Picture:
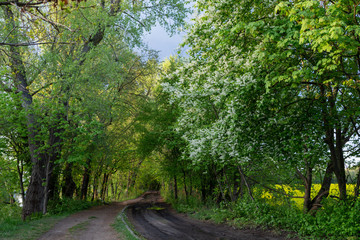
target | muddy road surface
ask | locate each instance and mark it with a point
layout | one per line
(91, 224)
(151, 217)
(156, 220)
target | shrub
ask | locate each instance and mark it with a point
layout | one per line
(336, 220)
(67, 205)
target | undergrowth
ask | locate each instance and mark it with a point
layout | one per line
(68, 205)
(336, 220)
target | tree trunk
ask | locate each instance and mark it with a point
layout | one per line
(184, 179)
(334, 140)
(236, 188)
(86, 180)
(56, 130)
(242, 187)
(356, 190)
(35, 192)
(191, 185)
(128, 183)
(307, 180)
(54, 188)
(203, 191)
(69, 186)
(20, 170)
(340, 164)
(324, 190)
(222, 194)
(113, 190)
(104, 186)
(245, 182)
(175, 188)
(337, 158)
(308, 185)
(94, 196)
(47, 181)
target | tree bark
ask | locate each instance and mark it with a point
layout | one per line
(175, 188)
(104, 186)
(94, 195)
(324, 190)
(35, 193)
(307, 180)
(20, 170)
(86, 179)
(186, 191)
(334, 140)
(246, 182)
(69, 186)
(356, 190)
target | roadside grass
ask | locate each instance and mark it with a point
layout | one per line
(16, 229)
(124, 228)
(335, 220)
(13, 228)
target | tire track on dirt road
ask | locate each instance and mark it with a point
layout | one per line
(156, 220)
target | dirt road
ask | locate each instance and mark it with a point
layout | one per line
(151, 217)
(160, 222)
(92, 224)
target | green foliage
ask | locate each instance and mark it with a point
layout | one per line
(123, 226)
(67, 206)
(9, 212)
(270, 91)
(337, 220)
(186, 205)
(13, 228)
(70, 94)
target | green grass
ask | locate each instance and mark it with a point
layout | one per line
(79, 227)
(16, 229)
(336, 220)
(156, 208)
(122, 226)
(13, 228)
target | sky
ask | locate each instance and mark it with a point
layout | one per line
(161, 41)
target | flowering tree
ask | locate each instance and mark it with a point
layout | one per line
(272, 86)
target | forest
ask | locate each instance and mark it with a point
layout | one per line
(258, 124)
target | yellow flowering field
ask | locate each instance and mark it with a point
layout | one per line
(334, 191)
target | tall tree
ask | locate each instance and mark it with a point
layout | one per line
(64, 46)
(272, 85)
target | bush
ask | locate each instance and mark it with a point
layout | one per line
(336, 220)
(9, 211)
(67, 205)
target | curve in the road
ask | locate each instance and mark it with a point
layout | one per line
(160, 222)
